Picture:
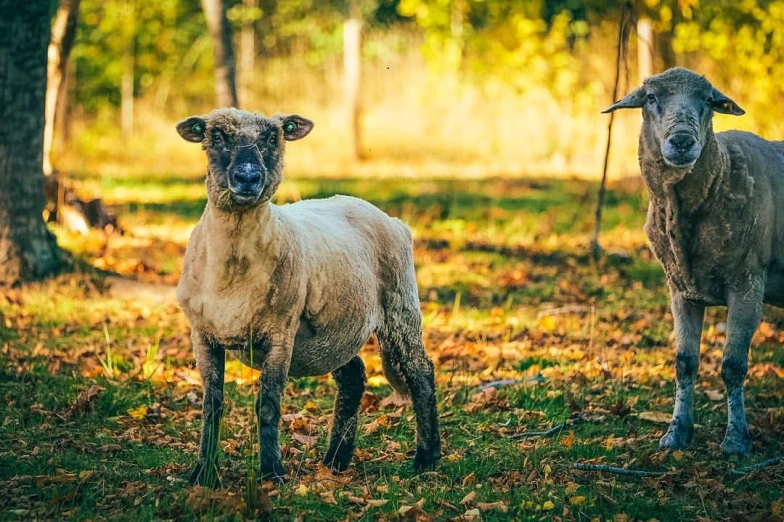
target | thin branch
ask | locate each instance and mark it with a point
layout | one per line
(758, 466)
(563, 310)
(618, 471)
(508, 382)
(549, 433)
(626, 15)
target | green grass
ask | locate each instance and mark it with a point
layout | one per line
(500, 266)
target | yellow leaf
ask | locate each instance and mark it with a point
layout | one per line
(311, 406)
(548, 505)
(301, 491)
(777, 508)
(577, 500)
(84, 475)
(138, 413)
(677, 455)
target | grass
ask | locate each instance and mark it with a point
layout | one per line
(507, 292)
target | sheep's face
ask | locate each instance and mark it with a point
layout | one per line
(677, 109)
(244, 153)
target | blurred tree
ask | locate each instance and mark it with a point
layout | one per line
(223, 52)
(60, 44)
(27, 249)
(352, 52)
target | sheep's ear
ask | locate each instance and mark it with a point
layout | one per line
(633, 100)
(193, 129)
(723, 104)
(295, 127)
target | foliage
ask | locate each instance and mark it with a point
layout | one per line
(101, 400)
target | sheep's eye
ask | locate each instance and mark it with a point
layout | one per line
(709, 101)
(651, 97)
(290, 127)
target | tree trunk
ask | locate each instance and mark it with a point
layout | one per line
(60, 44)
(352, 47)
(128, 63)
(225, 68)
(247, 51)
(27, 249)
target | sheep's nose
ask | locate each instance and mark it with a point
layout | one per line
(682, 141)
(247, 173)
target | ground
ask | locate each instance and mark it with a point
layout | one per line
(100, 399)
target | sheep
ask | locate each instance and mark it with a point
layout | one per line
(716, 223)
(296, 290)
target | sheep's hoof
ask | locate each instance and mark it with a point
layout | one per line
(205, 475)
(676, 438)
(276, 472)
(736, 442)
(336, 461)
(425, 460)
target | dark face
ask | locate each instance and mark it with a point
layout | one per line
(244, 153)
(677, 108)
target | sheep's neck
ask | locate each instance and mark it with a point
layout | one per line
(676, 196)
(235, 235)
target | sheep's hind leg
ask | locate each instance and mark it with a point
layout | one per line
(688, 330)
(744, 316)
(350, 381)
(404, 356)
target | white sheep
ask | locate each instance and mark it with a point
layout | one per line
(296, 290)
(716, 223)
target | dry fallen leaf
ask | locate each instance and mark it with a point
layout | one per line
(468, 499)
(489, 506)
(655, 416)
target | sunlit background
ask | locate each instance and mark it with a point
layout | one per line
(478, 123)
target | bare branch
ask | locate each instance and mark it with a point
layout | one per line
(618, 471)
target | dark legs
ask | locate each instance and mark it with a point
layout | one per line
(273, 381)
(211, 360)
(407, 363)
(350, 380)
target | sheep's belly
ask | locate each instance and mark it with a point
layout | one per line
(328, 349)
(314, 353)
(774, 290)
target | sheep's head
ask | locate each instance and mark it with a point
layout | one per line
(244, 153)
(677, 109)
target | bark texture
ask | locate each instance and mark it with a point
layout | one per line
(27, 249)
(60, 45)
(225, 67)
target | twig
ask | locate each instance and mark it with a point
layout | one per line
(760, 465)
(563, 310)
(618, 471)
(549, 433)
(508, 382)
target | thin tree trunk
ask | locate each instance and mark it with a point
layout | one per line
(225, 68)
(352, 47)
(27, 249)
(60, 44)
(128, 63)
(644, 48)
(247, 51)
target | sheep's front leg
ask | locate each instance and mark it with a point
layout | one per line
(744, 316)
(210, 359)
(274, 374)
(350, 381)
(688, 330)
